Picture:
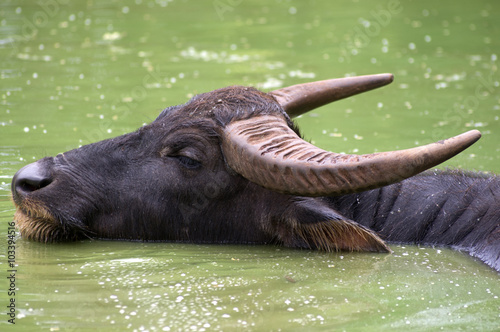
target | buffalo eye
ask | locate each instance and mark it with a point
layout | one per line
(188, 162)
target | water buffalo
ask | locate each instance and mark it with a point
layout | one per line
(230, 166)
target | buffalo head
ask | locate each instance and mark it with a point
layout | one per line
(229, 166)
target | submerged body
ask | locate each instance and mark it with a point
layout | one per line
(444, 208)
(230, 167)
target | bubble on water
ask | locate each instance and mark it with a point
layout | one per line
(125, 10)
(412, 46)
(26, 129)
(292, 10)
(111, 36)
(427, 38)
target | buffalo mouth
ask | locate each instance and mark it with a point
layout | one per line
(36, 223)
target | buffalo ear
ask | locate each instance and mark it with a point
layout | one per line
(314, 225)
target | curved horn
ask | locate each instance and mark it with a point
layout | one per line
(301, 98)
(267, 152)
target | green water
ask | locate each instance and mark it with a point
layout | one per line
(76, 72)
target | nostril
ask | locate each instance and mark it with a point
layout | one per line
(30, 178)
(32, 184)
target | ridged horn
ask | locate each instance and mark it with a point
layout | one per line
(301, 98)
(267, 152)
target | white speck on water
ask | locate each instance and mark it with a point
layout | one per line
(226, 316)
(441, 85)
(427, 38)
(26, 129)
(125, 10)
(412, 46)
(81, 76)
(380, 105)
(493, 57)
(292, 10)
(35, 75)
(385, 49)
(72, 17)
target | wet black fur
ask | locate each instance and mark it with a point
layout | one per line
(168, 181)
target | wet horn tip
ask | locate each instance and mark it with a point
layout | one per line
(301, 98)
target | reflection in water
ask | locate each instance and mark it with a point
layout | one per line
(195, 287)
